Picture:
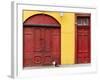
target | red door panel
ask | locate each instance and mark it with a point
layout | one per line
(47, 53)
(37, 57)
(28, 44)
(37, 39)
(42, 52)
(41, 46)
(47, 39)
(28, 39)
(83, 45)
(56, 44)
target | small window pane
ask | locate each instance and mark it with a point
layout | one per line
(82, 21)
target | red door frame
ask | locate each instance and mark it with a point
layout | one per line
(83, 15)
(35, 23)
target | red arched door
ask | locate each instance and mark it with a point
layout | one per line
(41, 45)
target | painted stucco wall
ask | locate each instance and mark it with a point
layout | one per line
(67, 22)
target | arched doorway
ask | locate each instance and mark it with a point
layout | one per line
(41, 41)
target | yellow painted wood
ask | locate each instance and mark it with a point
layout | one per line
(67, 22)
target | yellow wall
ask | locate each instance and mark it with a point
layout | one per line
(67, 33)
(67, 39)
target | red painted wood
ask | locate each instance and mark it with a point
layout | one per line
(41, 19)
(45, 46)
(83, 44)
(37, 56)
(41, 44)
(56, 46)
(47, 56)
(28, 44)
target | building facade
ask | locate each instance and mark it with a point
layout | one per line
(61, 37)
